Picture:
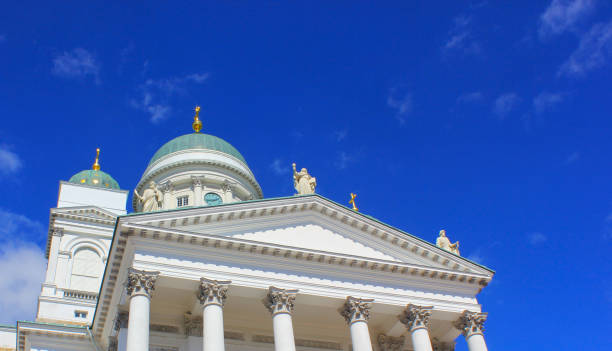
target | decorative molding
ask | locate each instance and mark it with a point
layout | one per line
(442, 346)
(65, 253)
(164, 328)
(280, 300)
(112, 343)
(471, 323)
(390, 343)
(192, 325)
(233, 335)
(141, 282)
(213, 292)
(167, 187)
(59, 232)
(318, 344)
(263, 338)
(356, 310)
(121, 321)
(196, 181)
(416, 317)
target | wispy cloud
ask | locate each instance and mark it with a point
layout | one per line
(22, 265)
(505, 103)
(402, 104)
(340, 135)
(594, 51)
(563, 15)
(78, 63)
(476, 256)
(343, 159)
(155, 94)
(10, 162)
(546, 101)
(279, 167)
(472, 97)
(573, 157)
(536, 238)
(460, 37)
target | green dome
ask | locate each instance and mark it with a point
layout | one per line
(94, 178)
(197, 141)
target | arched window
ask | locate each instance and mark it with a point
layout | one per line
(87, 268)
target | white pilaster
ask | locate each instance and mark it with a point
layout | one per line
(121, 324)
(167, 189)
(471, 325)
(139, 287)
(228, 197)
(53, 255)
(280, 304)
(212, 295)
(356, 312)
(197, 191)
(416, 319)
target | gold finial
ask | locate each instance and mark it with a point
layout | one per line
(96, 165)
(352, 202)
(197, 124)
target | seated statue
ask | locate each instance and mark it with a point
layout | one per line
(444, 243)
(151, 199)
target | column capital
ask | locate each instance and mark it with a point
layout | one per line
(168, 186)
(141, 282)
(356, 309)
(121, 321)
(213, 292)
(280, 300)
(390, 343)
(416, 317)
(197, 181)
(471, 323)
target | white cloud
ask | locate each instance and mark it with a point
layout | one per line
(10, 162)
(546, 100)
(279, 167)
(460, 37)
(155, 94)
(562, 15)
(594, 51)
(402, 106)
(537, 238)
(77, 63)
(504, 104)
(472, 97)
(22, 265)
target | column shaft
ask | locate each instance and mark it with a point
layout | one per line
(476, 342)
(360, 336)
(283, 332)
(138, 323)
(214, 339)
(420, 340)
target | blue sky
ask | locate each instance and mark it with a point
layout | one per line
(491, 120)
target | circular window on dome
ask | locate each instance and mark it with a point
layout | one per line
(212, 199)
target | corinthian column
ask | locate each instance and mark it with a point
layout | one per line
(212, 297)
(140, 284)
(280, 303)
(197, 191)
(416, 319)
(471, 325)
(356, 312)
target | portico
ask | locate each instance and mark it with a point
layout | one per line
(220, 286)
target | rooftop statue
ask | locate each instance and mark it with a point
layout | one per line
(303, 182)
(151, 199)
(444, 243)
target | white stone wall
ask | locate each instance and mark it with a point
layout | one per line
(7, 337)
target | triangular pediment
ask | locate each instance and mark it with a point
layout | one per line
(91, 212)
(310, 223)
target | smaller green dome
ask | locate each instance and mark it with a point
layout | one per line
(94, 178)
(197, 141)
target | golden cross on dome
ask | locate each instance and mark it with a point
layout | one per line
(197, 124)
(352, 202)
(96, 165)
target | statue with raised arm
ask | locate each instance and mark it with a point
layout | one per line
(303, 182)
(444, 243)
(151, 199)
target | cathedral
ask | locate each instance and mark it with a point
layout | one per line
(205, 262)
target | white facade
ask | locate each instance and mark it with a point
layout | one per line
(294, 273)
